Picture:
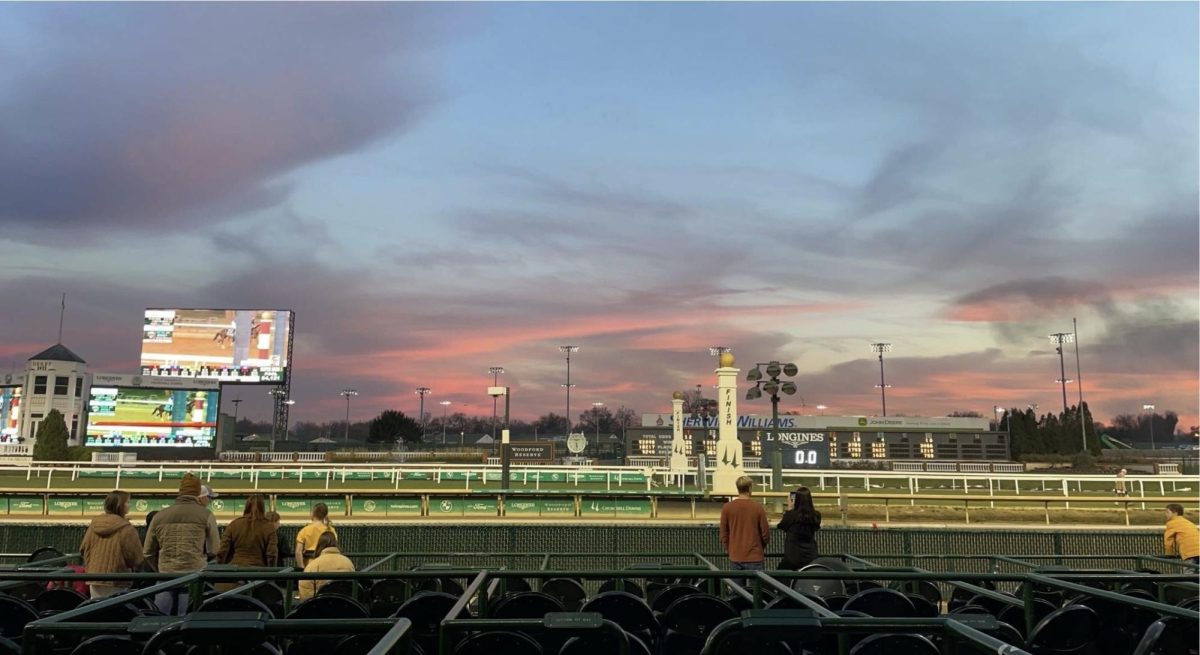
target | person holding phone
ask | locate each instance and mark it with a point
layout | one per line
(800, 524)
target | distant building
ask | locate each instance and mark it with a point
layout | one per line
(55, 378)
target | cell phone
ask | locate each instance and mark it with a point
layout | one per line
(792, 498)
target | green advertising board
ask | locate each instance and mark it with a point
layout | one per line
(404, 507)
(446, 506)
(594, 507)
(369, 508)
(3, 506)
(227, 506)
(144, 505)
(416, 475)
(25, 506)
(480, 507)
(514, 507)
(557, 507)
(632, 508)
(65, 507)
(293, 506)
(93, 506)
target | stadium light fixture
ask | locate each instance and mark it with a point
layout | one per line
(495, 371)
(596, 415)
(822, 408)
(717, 351)
(422, 392)
(1058, 339)
(567, 350)
(347, 394)
(445, 405)
(1150, 408)
(879, 348)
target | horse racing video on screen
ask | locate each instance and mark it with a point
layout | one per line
(230, 345)
(150, 418)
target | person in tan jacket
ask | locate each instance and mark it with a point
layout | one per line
(250, 539)
(328, 559)
(111, 545)
(181, 539)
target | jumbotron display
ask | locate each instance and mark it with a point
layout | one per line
(130, 417)
(228, 345)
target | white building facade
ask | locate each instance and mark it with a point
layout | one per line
(55, 378)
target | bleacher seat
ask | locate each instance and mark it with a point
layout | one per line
(1071, 630)
(568, 591)
(491, 643)
(881, 602)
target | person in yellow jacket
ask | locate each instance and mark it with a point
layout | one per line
(1180, 536)
(327, 559)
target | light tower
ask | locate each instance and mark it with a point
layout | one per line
(880, 348)
(347, 394)
(1058, 339)
(567, 350)
(495, 371)
(445, 405)
(422, 392)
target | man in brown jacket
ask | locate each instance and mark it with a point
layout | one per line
(744, 529)
(181, 539)
(111, 545)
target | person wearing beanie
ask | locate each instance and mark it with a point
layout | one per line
(181, 539)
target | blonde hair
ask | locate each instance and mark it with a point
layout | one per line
(745, 484)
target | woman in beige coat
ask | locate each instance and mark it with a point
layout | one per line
(111, 545)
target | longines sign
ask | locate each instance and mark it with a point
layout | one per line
(120, 380)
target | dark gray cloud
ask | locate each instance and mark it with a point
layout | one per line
(176, 115)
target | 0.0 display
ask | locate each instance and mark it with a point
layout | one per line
(152, 418)
(229, 345)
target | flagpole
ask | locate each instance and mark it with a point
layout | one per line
(61, 314)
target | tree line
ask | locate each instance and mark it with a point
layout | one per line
(393, 426)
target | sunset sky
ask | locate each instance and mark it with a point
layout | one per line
(436, 189)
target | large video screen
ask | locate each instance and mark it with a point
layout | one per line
(152, 418)
(10, 413)
(229, 345)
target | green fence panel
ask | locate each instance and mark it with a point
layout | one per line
(416, 475)
(93, 506)
(227, 506)
(3, 506)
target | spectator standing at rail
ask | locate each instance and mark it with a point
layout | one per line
(206, 495)
(1180, 536)
(180, 540)
(327, 559)
(744, 530)
(284, 550)
(250, 539)
(306, 539)
(111, 545)
(800, 524)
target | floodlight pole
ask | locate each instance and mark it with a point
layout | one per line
(495, 371)
(596, 415)
(1058, 339)
(880, 348)
(347, 393)
(1151, 408)
(773, 371)
(568, 349)
(422, 392)
(445, 406)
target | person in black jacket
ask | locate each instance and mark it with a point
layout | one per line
(284, 549)
(800, 524)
